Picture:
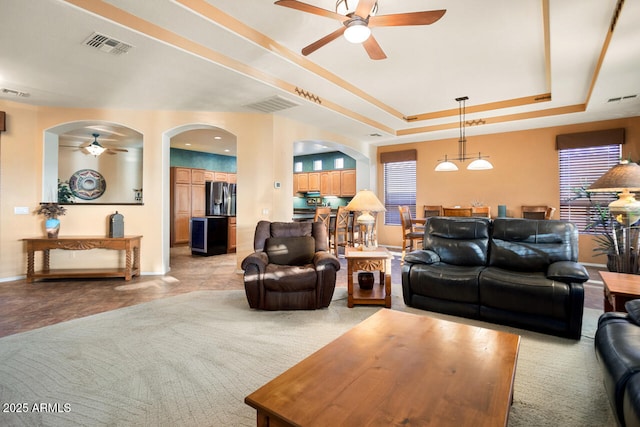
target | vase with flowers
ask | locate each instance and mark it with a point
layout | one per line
(51, 211)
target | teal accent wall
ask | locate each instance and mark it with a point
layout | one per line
(208, 161)
(327, 161)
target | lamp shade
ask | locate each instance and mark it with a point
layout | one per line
(366, 200)
(623, 176)
(480, 165)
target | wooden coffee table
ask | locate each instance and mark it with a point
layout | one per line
(618, 289)
(397, 368)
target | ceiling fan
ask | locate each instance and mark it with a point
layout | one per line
(356, 22)
(96, 148)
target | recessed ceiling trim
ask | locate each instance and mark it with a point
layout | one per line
(605, 48)
(516, 102)
(578, 108)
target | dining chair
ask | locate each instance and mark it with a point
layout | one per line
(537, 212)
(457, 211)
(483, 211)
(432, 210)
(343, 230)
(410, 232)
(323, 214)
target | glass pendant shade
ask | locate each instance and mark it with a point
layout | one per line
(480, 164)
(446, 166)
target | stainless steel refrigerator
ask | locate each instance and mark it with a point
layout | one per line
(220, 198)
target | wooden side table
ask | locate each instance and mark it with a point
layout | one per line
(618, 289)
(378, 260)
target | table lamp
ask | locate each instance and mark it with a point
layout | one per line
(366, 202)
(622, 178)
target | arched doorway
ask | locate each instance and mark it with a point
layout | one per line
(198, 146)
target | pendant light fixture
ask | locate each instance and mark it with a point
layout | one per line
(479, 163)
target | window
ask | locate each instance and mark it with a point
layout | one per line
(399, 189)
(317, 165)
(338, 163)
(579, 168)
(297, 167)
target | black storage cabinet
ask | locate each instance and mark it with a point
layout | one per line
(209, 235)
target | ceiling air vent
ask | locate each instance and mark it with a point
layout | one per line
(271, 105)
(107, 44)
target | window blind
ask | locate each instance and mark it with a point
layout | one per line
(579, 168)
(399, 189)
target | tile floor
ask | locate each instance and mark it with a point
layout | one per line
(30, 306)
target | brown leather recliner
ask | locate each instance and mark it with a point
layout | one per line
(291, 268)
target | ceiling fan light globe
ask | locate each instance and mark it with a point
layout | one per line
(95, 149)
(357, 32)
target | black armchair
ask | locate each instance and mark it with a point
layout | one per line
(291, 268)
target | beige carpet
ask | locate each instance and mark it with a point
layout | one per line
(190, 360)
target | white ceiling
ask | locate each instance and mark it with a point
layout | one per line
(221, 55)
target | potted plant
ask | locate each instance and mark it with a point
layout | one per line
(65, 195)
(51, 211)
(609, 236)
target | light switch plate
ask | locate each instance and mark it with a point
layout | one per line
(21, 210)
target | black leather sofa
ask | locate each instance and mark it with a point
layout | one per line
(518, 272)
(617, 346)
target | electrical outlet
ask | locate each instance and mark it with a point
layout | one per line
(21, 210)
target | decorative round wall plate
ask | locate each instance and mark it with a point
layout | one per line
(87, 184)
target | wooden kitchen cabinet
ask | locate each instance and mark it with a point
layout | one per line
(180, 201)
(231, 237)
(335, 181)
(221, 176)
(314, 181)
(209, 175)
(302, 182)
(198, 176)
(348, 183)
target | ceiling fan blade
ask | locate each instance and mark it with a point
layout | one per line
(323, 41)
(293, 4)
(373, 48)
(410, 18)
(364, 8)
(123, 150)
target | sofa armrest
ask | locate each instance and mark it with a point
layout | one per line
(259, 259)
(421, 256)
(324, 259)
(567, 271)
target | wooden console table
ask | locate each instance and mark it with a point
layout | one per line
(129, 244)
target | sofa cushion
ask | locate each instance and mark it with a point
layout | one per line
(290, 250)
(447, 282)
(458, 241)
(633, 309)
(532, 245)
(524, 292)
(289, 278)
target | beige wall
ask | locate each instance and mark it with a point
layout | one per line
(525, 172)
(265, 153)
